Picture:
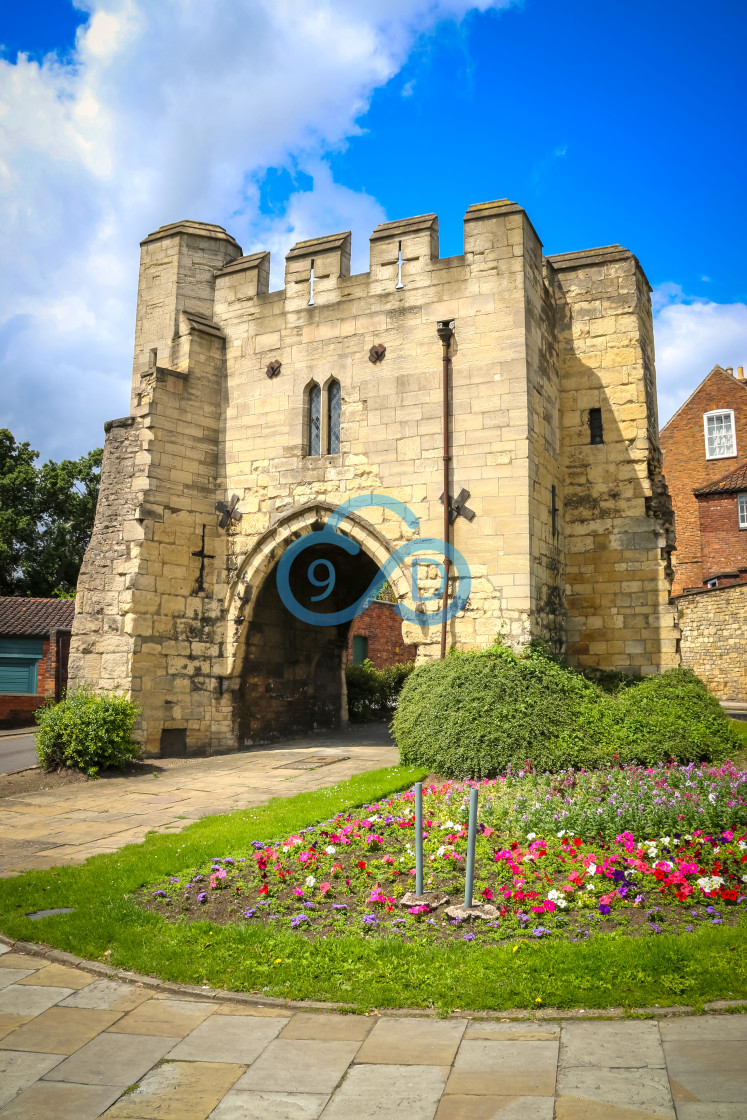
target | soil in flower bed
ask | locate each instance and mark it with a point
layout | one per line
(350, 873)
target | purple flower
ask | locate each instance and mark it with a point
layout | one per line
(159, 894)
(469, 937)
(297, 919)
(340, 906)
(539, 931)
(604, 908)
(369, 920)
(202, 896)
(654, 927)
(249, 913)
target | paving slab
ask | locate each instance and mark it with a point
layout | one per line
(327, 1028)
(643, 1090)
(59, 976)
(228, 1038)
(177, 1091)
(611, 1045)
(47, 1101)
(522, 1069)
(269, 1106)
(171, 1018)
(299, 1066)
(60, 1030)
(721, 1111)
(416, 1042)
(10, 959)
(513, 1032)
(30, 1000)
(112, 1059)
(10, 1023)
(387, 1093)
(733, 1027)
(707, 1070)
(10, 976)
(19, 1070)
(569, 1108)
(495, 1108)
(100, 995)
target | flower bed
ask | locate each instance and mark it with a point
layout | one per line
(592, 875)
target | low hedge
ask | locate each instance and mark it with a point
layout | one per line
(373, 693)
(87, 732)
(477, 714)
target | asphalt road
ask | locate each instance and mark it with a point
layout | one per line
(17, 751)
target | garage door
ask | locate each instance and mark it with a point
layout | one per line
(19, 663)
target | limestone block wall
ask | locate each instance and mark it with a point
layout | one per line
(713, 625)
(618, 520)
(185, 614)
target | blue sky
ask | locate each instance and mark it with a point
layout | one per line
(608, 122)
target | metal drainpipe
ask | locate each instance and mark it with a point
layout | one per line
(446, 333)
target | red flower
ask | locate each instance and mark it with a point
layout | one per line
(730, 896)
(577, 843)
(263, 889)
(361, 864)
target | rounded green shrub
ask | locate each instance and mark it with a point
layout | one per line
(87, 732)
(477, 714)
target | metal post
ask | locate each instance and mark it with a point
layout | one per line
(419, 839)
(445, 331)
(471, 838)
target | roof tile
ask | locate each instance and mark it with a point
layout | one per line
(19, 615)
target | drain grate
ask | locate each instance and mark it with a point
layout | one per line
(35, 915)
(313, 762)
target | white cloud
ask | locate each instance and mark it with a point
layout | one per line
(167, 110)
(692, 336)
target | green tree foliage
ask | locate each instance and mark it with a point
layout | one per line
(372, 692)
(46, 518)
(475, 714)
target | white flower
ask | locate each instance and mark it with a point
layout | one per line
(310, 880)
(561, 834)
(591, 869)
(555, 896)
(590, 886)
(330, 850)
(712, 798)
(531, 835)
(710, 883)
(441, 850)
(742, 845)
(561, 903)
(744, 878)
(666, 840)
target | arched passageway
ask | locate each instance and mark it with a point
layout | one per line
(293, 672)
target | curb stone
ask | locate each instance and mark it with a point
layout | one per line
(252, 999)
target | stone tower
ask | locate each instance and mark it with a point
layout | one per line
(297, 400)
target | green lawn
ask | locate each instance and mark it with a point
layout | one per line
(606, 970)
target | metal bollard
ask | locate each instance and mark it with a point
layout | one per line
(419, 839)
(471, 838)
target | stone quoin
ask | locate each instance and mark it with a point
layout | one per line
(553, 433)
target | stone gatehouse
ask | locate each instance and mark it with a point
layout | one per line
(294, 401)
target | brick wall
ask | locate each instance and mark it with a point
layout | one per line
(51, 680)
(686, 467)
(713, 625)
(381, 624)
(723, 545)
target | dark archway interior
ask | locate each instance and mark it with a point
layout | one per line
(292, 679)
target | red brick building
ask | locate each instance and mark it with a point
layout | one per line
(722, 509)
(704, 446)
(376, 634)
(34, 646)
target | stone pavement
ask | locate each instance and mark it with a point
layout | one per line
(71, 823)
(74, 1046)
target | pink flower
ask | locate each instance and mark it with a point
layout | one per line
(488, 831)
(298, 892)
(487, 893)
(324, 887)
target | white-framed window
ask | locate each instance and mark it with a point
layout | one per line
(712, 583)
(720, 436)
(742, 510)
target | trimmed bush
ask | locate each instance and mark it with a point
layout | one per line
(87, 732)
(373, 693)
(477, 714)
